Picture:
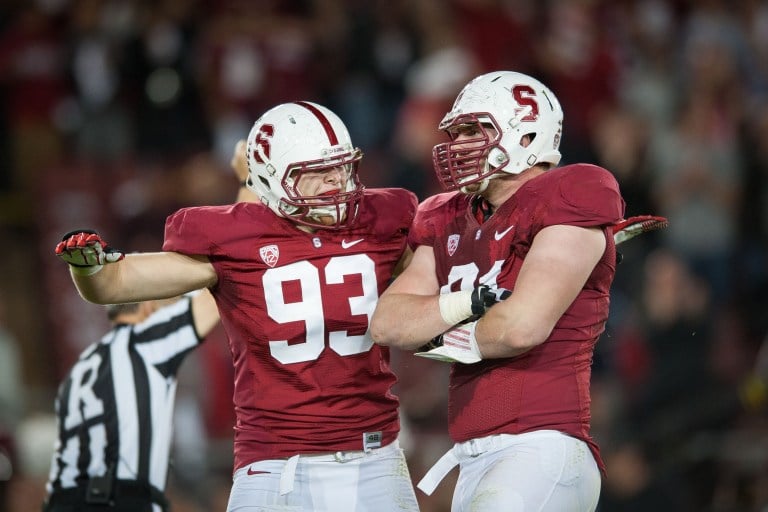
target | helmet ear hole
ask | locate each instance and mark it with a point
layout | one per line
(527, 139)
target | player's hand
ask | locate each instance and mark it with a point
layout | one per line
(456, 345)
(483, 297)
(86, 252)
(239, 161)
(457, 307)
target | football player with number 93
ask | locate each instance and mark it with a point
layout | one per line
(296, 272)
(519, 395)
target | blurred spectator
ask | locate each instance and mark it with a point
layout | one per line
(251, 59)
(432, 83)
(380, 43)
(32, 76)
(160, 69)
(648, 82)
(634, 485)
(97, 114)
(497, 32)
(752, 279)
(12, 399)
(697, 182)
(577, 59)
(664, 358)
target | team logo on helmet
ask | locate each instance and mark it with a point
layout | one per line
(453, 244)
(270, 254)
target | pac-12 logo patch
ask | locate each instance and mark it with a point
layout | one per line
(453, 244)
(270, 254)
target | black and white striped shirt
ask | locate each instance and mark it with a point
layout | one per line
(115, 407)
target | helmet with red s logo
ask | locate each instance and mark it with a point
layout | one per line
(293, 141)
(497, 111)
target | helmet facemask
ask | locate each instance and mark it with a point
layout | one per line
(335, 210)
(459, 163)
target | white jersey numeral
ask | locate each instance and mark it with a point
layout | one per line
(310, 309)
(466, 275)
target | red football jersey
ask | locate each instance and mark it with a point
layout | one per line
(547, 387)
(296, 307)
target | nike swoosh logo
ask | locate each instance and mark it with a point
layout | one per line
(499, 236)
(251, 472)
(347, 245)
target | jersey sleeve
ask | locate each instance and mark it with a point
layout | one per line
(402, 207)
(198, 230)
(588, 196)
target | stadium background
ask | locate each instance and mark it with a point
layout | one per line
(113, 113)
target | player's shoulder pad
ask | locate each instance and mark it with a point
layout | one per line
(396, 205)
(451, 201)
(197, 229)
(434, 214)
(591, 188)
(392, 195)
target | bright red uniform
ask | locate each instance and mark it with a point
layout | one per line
(550, 383)
(296, 308)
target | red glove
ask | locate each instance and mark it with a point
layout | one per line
(629, 228)
(86, 252)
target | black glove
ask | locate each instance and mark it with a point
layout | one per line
(483, 297)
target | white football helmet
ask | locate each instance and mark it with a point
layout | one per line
(514, 105)
(293, 139)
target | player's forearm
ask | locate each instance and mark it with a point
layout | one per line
(507, 332)
(144, 276)
(120, 282)
(98, 287)
(406, 321)
(521, 322)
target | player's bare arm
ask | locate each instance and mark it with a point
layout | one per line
(558, 264)
(407, 314)
(145, 276)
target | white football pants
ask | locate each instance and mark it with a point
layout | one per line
(542, 471)
(356, 481)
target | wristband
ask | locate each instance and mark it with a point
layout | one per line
(455, 307)
(85, 270)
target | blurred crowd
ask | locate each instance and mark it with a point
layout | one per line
(114, 113)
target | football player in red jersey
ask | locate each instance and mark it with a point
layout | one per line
(296, 272)
(519, 398)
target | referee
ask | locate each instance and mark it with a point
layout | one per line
(114, 409)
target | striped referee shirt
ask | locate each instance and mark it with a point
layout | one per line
(115, 407)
